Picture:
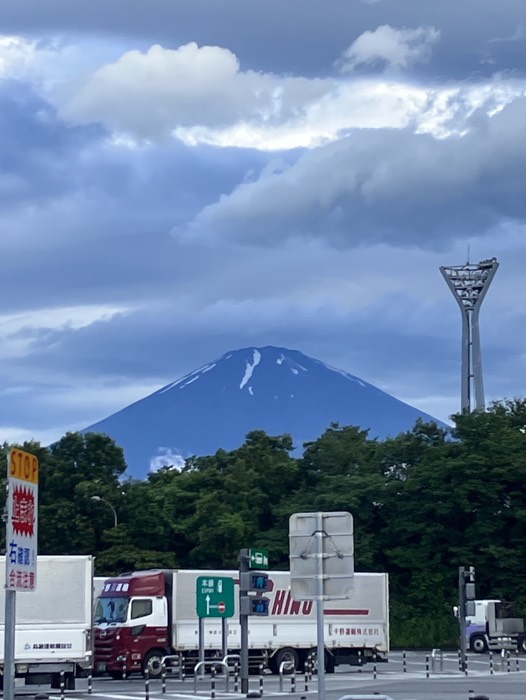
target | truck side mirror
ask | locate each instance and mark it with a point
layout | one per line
(470, 608)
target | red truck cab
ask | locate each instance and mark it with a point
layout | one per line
(132, 627)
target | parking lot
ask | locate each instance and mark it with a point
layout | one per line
(407, 676)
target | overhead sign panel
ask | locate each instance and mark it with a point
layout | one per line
(22, 521)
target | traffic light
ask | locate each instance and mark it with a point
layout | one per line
(254, 605)
(469, 591)
(259, 606)
(253, 581)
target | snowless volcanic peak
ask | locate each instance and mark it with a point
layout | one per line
(273, 389)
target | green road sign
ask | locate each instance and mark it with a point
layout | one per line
(214, 596)
(258, 558)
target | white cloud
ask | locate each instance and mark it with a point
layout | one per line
(200, 95)
(55, 66)
(14, 435)
(149, 94)
(397, 49)
(16, 55)
(18, 330)
(167, 457)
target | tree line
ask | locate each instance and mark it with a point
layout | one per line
(424, 503)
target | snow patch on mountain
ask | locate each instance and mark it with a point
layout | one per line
(191, 377)
(256, 359)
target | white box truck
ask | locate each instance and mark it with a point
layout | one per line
(53, 630)
(142, 616)
(495, 626)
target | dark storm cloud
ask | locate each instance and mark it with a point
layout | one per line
(306, 36)
(38, 154)
(391, 186)
(84, 208)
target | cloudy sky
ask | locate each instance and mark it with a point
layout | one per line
(179, 178)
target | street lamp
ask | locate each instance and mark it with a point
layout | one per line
(99, 498)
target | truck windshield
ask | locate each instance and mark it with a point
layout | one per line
(111, 610)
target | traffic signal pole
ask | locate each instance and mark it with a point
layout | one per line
(243, 622)
(319, 607)
(462, 617)
(252, 584)
(466, 606)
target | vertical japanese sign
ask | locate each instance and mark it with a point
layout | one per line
(22, 521)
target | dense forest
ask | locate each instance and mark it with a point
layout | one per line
(424, 502)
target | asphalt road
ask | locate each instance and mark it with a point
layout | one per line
(411, 678)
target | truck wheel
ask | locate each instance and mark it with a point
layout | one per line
(478, 644)
(153, 663)
(286, 654)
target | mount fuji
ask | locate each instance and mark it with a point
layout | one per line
(271, 389)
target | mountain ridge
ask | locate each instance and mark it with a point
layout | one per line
(255, 388)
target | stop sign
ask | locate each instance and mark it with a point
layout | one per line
(221, 607)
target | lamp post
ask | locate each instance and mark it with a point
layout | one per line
(469, 284)
(103, 500)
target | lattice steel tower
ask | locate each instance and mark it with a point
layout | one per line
(469, 284)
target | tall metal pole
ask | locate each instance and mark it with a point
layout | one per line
(462, 617)
(201, 633)
(469, 284)
(9, 644)
(243, 624)
(319, 607)
(224, 636)
(465, 380)
(9, 623)
(476, 359)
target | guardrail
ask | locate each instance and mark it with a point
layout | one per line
(167, 665)
(227, 658)
(203, 664)
(287, 666)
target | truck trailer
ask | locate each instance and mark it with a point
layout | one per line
(53, 631)
(141, 617)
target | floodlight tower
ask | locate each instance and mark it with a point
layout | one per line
(469, 284)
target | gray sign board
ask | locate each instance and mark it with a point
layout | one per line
(332, 533)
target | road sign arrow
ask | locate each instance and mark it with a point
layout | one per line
(214, 596)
